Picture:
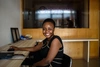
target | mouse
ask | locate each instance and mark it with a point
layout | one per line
(10, 49)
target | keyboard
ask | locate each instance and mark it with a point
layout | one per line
(6, 55)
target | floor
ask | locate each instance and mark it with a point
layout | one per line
(83, 63)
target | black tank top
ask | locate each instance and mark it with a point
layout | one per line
(57, 61)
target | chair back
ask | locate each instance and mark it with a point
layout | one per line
(67, 61)
(15, 34)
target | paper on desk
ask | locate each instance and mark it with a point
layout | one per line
(18, 56)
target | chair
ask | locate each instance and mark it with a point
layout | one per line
(67, 61)
(15, 34)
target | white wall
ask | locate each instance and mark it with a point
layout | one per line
(9, 17)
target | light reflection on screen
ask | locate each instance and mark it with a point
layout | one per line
(42, 14)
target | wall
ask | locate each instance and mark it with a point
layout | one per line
(9, 17)
(76, 50)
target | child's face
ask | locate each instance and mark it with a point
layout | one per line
(48, 29)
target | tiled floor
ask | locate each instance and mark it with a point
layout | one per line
(83, 63)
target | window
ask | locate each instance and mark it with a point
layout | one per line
(66, 13)
(59, 16)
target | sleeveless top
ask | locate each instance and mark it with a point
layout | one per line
(57, 61)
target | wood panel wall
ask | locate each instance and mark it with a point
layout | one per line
(75, 50)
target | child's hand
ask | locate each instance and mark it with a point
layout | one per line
(14, 47)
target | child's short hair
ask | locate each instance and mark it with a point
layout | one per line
(49, 20)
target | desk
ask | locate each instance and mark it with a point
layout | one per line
(30, 43)
(86, 45)
(16, 62)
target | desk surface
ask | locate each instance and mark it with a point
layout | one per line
(21, 43)
(72, 40)
(16, 62)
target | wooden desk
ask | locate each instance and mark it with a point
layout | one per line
(16, 62)
(86, 49)
(30, 43)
